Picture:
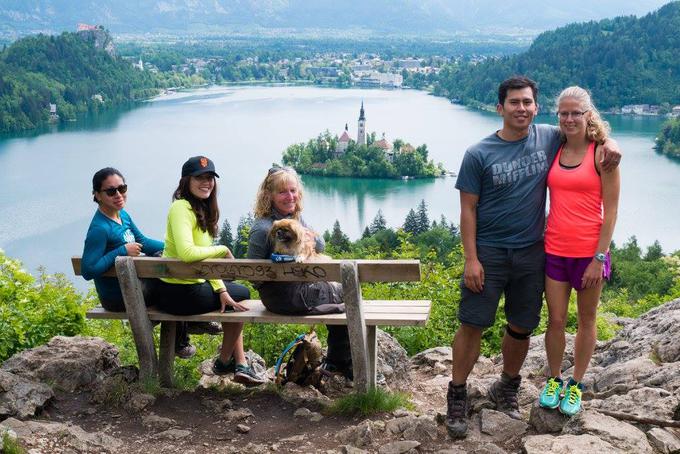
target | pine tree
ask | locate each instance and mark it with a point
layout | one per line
(242, 235)
(378, 223)
(367, 233)
(411, 223)
(338, 240)
(443, 222)
(225, 237)
(423, 219)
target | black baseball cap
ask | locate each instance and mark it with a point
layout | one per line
(198, 165)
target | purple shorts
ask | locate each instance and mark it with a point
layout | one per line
(570, 269)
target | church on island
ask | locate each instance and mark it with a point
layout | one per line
(343, 141)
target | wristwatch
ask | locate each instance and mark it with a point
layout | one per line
(601, 257)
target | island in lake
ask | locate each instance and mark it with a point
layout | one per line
(330, 155)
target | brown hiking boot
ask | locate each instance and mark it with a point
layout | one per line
(503, 392)
(457, 411)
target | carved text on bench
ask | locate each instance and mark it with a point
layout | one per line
(232, 271)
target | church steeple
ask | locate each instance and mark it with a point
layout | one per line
(361, 133)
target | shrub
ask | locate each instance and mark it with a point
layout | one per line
(32, 310)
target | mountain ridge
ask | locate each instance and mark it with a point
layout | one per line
(396, 16)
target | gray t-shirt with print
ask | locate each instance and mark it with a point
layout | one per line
(510, 180)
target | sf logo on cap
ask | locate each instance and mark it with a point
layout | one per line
(204, 162)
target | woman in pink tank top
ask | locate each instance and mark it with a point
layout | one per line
(583, 206)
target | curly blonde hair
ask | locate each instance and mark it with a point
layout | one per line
(597, 129)
(277, 178)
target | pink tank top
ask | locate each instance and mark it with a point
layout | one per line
(575, 216)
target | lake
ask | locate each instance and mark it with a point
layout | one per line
(46, 205)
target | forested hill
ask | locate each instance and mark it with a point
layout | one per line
(625, 60)
(75, 71)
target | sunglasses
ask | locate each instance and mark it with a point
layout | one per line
(277, 168)
(112, 191)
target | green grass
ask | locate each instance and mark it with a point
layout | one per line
(374, 401)
(10, 446)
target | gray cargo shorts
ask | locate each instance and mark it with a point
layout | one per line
(517, 273)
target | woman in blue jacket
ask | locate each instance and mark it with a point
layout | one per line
(112, 233)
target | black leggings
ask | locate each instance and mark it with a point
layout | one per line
(193, 299)
(148, 290)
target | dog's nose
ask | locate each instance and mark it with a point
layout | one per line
(280, 234)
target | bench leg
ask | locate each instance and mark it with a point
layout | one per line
(142, 330)
(372, 341)
(166, 360)
(356, 325)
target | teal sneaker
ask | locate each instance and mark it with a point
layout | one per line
(571, 402)
(550, 396)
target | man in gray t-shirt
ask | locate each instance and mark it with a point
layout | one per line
(502, 184)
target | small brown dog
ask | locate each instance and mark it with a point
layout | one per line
(290, 237)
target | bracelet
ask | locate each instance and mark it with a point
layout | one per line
(222, 290)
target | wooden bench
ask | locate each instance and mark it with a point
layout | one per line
(361, 317)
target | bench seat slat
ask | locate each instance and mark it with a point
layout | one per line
(376, 313)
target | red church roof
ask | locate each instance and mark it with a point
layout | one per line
(344, 137)
(383, 143)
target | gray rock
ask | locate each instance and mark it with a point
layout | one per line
(304, 396)
(454, 450)
(360, 435)
(173, 434)
(138, 402)
(308, 414)
(71, 436)
(655, 332)
(488, 448)
(238, 414)
(115, 388)
(567, 444)
(68, 363)
(393, 369)
(500, 426)
(302, 412)
(667, 376)
(20, 396)
(254, 448)
(432, 356)
(545, 420)
(349, 449)
(412, 427)
(664, 441)
(398, 447)
(646, 402)
(622, 377)
(242, 428)
(218, 406)
(156, 422)
(626, 437)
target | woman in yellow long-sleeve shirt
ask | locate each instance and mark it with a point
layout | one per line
(192, 225)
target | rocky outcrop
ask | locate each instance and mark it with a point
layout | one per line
(21, 397)
(68, 363)
(632, 397)
(41, 434)
(393, 368)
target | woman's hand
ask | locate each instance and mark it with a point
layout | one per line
(133, 249)
(228, 254)
(227, 300)
(592, 277)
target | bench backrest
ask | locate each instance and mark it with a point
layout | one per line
(265, 270)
